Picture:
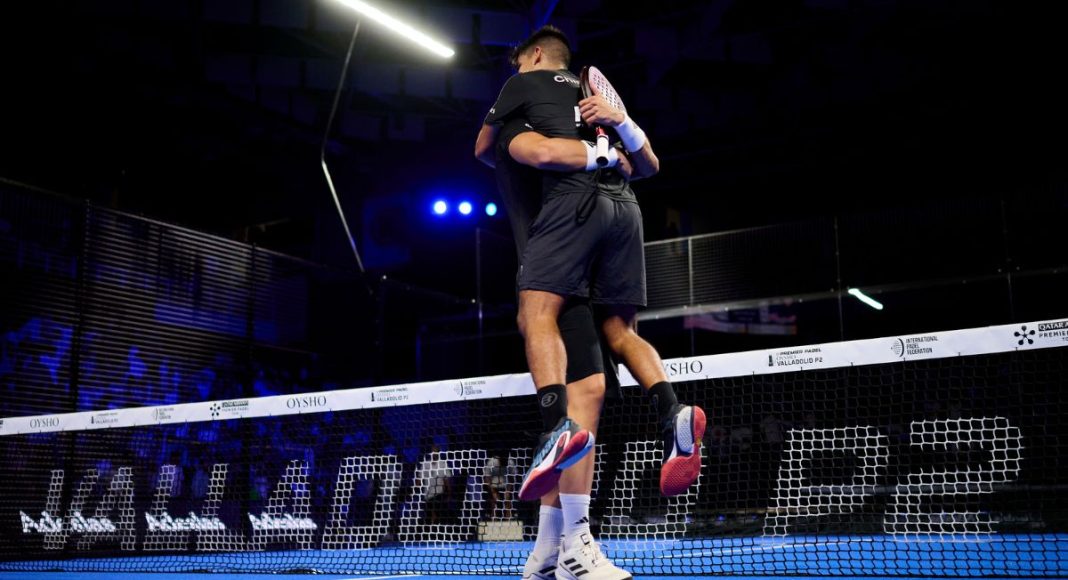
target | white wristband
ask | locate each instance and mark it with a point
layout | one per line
(591, 157)
(631, 134)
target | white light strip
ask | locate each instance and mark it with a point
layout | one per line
(866, 299)
(401, 28)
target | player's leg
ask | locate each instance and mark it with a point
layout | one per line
(620, 288)
(558, 507)
(546, 356)
(553, 266)
(585, 380)
(579, 555)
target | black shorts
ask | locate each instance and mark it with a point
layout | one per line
(587, 353)
(601, 259)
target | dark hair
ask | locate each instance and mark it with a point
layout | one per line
(552, 41)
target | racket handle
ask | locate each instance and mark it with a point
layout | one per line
(602, 147)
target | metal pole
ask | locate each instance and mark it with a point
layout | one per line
(838, 280)
(689, 265)
(326, 137)
(478, 297)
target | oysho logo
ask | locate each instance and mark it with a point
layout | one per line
(1024, 335)
(44, 422)
(684, 367)
(306, 402)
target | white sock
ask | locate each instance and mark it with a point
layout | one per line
(576, 510)
(550, 526)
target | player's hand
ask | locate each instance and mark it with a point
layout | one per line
(625, 167)
(596, 111)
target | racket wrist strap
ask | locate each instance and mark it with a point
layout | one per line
(591, 157)
(631, 135)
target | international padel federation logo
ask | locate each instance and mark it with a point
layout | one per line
(898, 347)
(214, 410)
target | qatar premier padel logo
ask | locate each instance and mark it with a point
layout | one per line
(1024, 336)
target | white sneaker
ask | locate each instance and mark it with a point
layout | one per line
(583, 560)
(541, 565)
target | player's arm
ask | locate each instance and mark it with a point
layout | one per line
(487, 136)
(559, 154)
(510, 103)
(596, 110)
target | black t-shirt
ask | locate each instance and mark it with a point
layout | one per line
(520, 185)
(548, 101)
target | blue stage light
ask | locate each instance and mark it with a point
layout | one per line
(465, 207)
(491, 209)
(440, 207)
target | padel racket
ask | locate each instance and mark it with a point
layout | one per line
(594, 82)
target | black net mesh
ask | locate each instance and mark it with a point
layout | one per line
(939, 467)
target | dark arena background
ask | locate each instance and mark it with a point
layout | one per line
(856, 257)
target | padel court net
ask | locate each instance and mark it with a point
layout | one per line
(937, 455)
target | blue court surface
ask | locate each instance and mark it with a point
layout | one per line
(166, 576)
(1005, 556)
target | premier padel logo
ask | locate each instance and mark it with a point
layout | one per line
(390, 395)
(1023, 335)
(107, 418)
(1054, 330)
(796, 357)
(232, 408)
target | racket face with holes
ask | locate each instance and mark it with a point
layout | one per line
(594, 82)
